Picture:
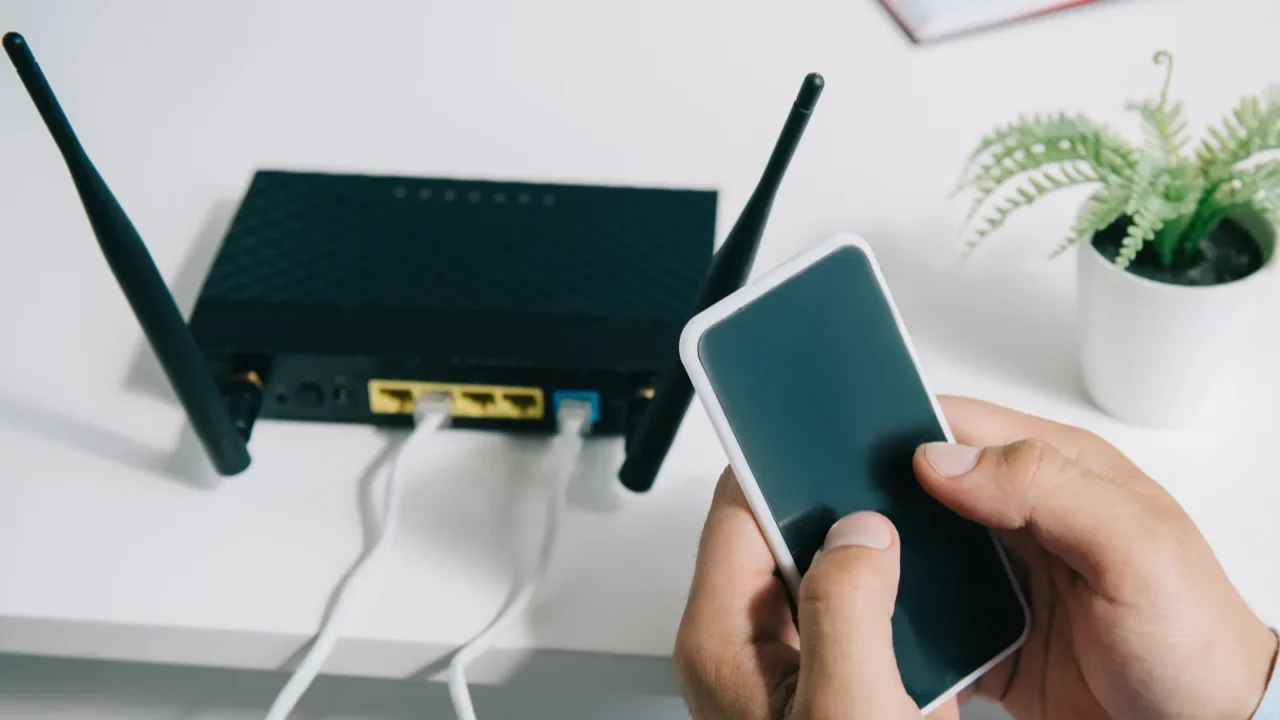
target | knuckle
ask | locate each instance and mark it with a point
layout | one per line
(818, 588)
(1167, 533)
(1024, 456)
(1156, 522)
(843, 575)
(1025, 461)
(1154, 565)
(1021, 470)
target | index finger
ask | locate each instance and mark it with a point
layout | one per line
(982, 424)
(734, 569)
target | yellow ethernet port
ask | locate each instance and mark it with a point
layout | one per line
(396, 397)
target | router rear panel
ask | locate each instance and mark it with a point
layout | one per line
(327, 282)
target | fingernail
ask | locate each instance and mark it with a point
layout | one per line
(864, 529)
(950, 459)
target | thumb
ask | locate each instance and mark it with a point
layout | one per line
(1097, 526)
(847, 665)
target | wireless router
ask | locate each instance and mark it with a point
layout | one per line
(344, 297)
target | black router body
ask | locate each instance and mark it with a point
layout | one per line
(499, 291)
(344, 297)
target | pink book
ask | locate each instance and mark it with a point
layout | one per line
(925, 20)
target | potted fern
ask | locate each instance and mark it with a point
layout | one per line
(1174, 246)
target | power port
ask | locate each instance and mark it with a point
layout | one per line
(309, 395)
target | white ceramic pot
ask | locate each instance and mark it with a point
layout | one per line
(1155, 354)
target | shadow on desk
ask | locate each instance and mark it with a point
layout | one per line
(145, 374)
(186, 463)
(85, 437)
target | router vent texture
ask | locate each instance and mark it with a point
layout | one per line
(368, 242)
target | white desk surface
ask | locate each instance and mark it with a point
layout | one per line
(108, 550)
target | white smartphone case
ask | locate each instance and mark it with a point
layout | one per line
(689, 344)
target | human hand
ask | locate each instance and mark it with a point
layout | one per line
(1132, 615)
(739, 652)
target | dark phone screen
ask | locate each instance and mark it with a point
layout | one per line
(821, 393)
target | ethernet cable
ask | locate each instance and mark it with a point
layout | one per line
(574, 419)
(431, 413)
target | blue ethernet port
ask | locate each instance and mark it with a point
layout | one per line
(589, 396)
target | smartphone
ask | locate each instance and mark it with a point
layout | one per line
(816, 393)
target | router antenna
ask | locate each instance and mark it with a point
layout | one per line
(141, 282)
(729, 268)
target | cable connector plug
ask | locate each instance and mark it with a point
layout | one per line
(433, 405)
(573, 416)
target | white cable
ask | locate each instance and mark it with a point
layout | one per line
(431, 412)
(574, 419)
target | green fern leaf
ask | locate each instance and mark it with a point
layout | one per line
(1036, 186)
(1147, 219)
(1162, 194)
(1264, 176)
(1024, 128)
(1257, 182)
(1165, 130)
(1176, 195)
(1072, 156)
(1014, 148)
(1102, 208)
(1252, 126)
(1179, 126)
(1049, 163)
(1072, 172)
(1028, 132)
(1141, 187)
(1169, 197)
(1139, 232)
(1161, 120)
